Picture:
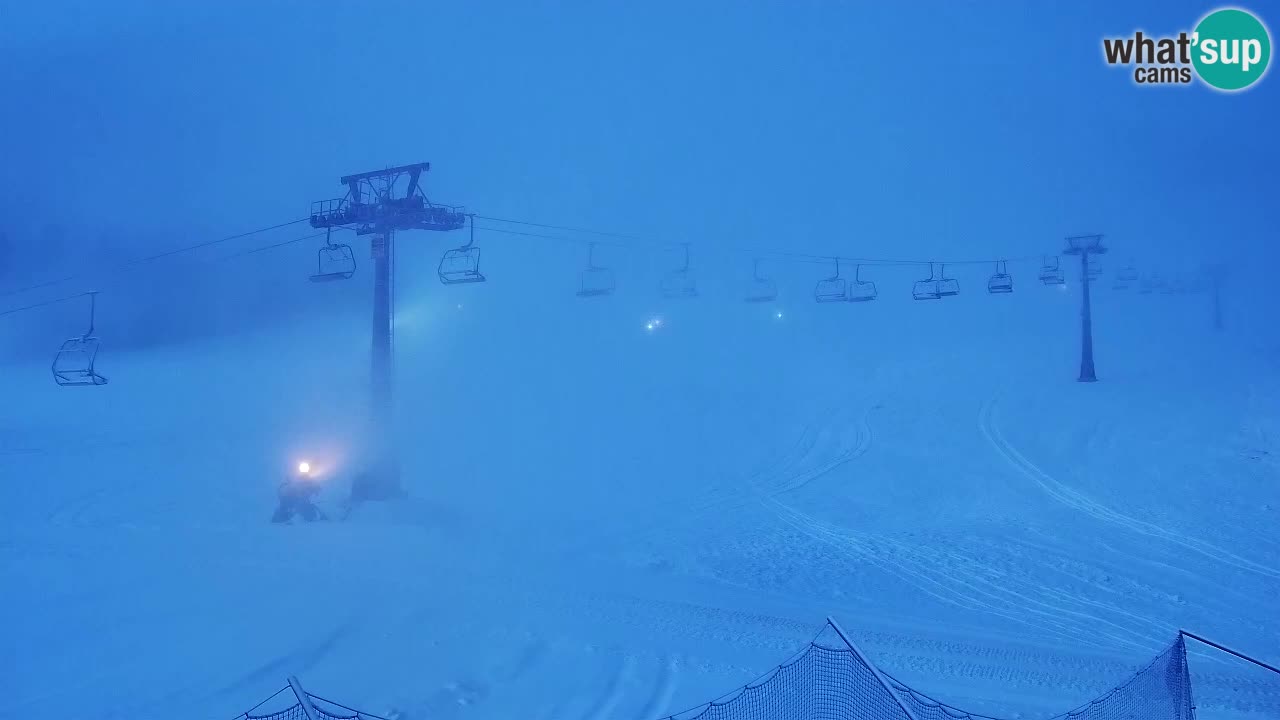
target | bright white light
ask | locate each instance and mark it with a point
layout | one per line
(778, 314)
(648, 326)
(304, 467)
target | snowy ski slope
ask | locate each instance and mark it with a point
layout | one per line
(611, 522)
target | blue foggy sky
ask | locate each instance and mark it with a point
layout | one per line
(920, 130)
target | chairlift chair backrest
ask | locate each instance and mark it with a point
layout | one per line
(763, 291)
(1000, 284)
(679, 284)
(596, 282)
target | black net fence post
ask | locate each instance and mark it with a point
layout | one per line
(880, 678)
(303, 699)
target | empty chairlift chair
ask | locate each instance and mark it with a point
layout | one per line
(1094, 269)
(762, 289)
(1001, 283)
(461, 265)
(1149, 284)
(1198, 283)
(1125, 278)
(334, 261)
(947, 286)
(1051, 271)
(596, 281)
(926, 289)
(832, 289)
(680, 283)
(74, 363)
(861, 290)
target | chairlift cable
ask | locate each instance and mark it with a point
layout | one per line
(799, 256)
(244, 253)
(159, 256)
(546, 226)
(265, 248)
(790, 255)
(33, 306)
(549, 237)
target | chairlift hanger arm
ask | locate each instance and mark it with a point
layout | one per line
(471, 240)
(93, 310)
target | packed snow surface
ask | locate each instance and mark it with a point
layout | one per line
(611, 519)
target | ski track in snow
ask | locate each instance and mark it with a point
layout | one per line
(659, 703)
(924, 571)
(1078, 501)
(951, 576)
(730, 493)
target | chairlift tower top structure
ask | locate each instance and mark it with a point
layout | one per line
(1084, 245)
(372, 205)
(380, 203)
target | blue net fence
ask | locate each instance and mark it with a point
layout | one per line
(1160, 690)
(294, 703)
(831, 679)
(822, 683)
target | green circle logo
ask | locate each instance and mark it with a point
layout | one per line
(1232, 49)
